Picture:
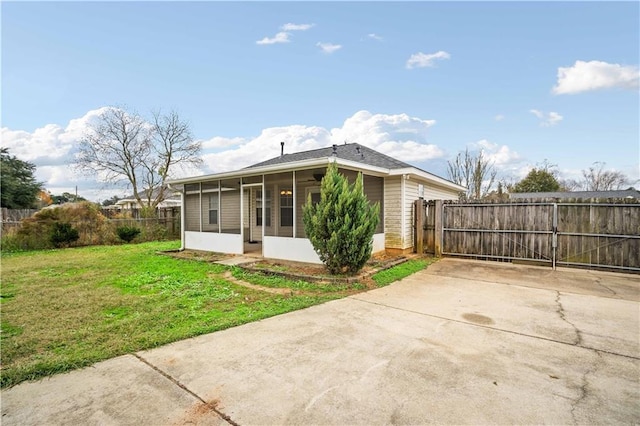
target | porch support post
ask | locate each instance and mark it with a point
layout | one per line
(200, 215)
(264, 211)
(219, 206)
(242, 212)
(295, 205)
(183, 213)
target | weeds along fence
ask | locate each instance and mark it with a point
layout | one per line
(15, 236)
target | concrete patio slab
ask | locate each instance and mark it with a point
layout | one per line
(120, 391)
(461, 342)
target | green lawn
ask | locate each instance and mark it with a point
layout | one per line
(64, 309)
(401, 271)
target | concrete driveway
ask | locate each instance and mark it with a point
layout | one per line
(463, 342)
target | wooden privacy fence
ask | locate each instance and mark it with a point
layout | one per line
(571, 233)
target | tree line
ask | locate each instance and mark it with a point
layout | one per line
(476, 172)
(124, 148)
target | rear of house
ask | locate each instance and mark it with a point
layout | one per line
(259, 209)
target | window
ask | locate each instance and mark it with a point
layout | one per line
(286, 207)
(267, 208)
(213, 209)
(315, 194)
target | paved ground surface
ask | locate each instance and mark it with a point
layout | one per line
(462, 342)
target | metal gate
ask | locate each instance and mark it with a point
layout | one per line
(605, 235)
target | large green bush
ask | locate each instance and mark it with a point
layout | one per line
(341, 226)
(127, 233)
(63, 234)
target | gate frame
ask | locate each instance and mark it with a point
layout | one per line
(440, 209)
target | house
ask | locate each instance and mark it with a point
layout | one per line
(260, 207)
(630, 193)
(129, 202)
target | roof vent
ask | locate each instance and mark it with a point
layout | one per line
(281, 149)
(335, 150)
(359, 152)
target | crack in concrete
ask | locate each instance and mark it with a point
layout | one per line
(584, 387)
(176, 382)
(563, 317)
(502, 330)
(599, 282)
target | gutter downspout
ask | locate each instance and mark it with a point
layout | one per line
(182, 218)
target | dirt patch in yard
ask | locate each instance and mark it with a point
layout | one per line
(309, 272)
(318, 273)
(204, 256)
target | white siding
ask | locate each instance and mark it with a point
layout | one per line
(212, 241)
(295, 249)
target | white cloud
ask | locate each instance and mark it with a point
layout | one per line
(499, 117)
(281, 37)
(595, 75)
(328, 48)
(52, 147)
(374, 36)
(501, 155)
(422, 60)
(296, 27)
(400, 136)
(548, 120)
(221, 142)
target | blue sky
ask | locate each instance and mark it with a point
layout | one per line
(420, 81)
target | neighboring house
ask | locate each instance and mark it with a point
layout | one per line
(626, 193)
(172, 199)
(263, 203)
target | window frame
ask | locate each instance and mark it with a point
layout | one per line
(267, 208)
(286, 194)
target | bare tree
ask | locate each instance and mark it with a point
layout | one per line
(473, 171)
(124, 147)
(598, 179)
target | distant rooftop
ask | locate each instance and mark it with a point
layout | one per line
(626, 193)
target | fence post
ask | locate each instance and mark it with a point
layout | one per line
(419, 225)
(554, 238)
(438, 212)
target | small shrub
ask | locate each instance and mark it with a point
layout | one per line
(127, 233)
(341, 226)
(63, 234)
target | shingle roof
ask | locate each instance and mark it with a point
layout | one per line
(350, 151)
(627, 193)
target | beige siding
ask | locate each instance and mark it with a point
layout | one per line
(393, 212)
(439, 193)
(230, 214)
(374, 190)
(192, 215)
(410, 195)
(302, 189)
